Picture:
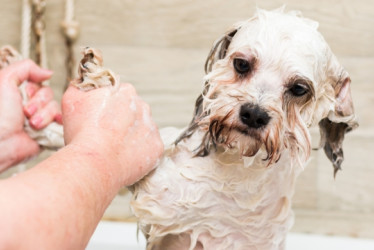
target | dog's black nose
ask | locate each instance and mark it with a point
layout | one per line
(253, 116)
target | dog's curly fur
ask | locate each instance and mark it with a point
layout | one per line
(225, 183)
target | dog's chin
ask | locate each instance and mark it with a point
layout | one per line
(251, 133)
(246, 142)
(249, 142)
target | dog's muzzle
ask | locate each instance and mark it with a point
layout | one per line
(253, 116)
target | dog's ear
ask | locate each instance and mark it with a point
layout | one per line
(339, 121)
(219, 49)
(217, 52)
(193, 124)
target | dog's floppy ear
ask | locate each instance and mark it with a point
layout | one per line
(217, 52)
(219, 49)
(339, 121)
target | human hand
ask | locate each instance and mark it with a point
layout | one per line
(15, 144)
(115, 126)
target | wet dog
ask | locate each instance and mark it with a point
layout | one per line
(227, 180)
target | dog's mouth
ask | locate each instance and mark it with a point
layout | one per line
(250, 132)
(247, 140)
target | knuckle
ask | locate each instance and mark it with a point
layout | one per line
(128, 88)
(53, 106)
(47, 91)
(27, 62)
(146, 108)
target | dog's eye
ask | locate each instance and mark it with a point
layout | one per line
(298, 89)
(241, 66)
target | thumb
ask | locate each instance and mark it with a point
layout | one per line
(25, 70)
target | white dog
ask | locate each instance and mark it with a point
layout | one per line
(226, 182)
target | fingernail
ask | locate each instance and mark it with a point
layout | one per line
(30, 110)
(36, 121)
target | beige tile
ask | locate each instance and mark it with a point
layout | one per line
(334, 223)
(353, 189)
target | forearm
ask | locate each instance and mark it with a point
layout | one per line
(64, 198)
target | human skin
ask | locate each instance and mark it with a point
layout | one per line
(111, 142)
(15, 144)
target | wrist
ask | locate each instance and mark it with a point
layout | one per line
(98, 159)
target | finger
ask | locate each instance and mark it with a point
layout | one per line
(24, 70)
(45, 116)
(32, 88)
(38, 101)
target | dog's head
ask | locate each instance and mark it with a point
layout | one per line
(268, 80)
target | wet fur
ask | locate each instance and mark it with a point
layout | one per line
(223, 185)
